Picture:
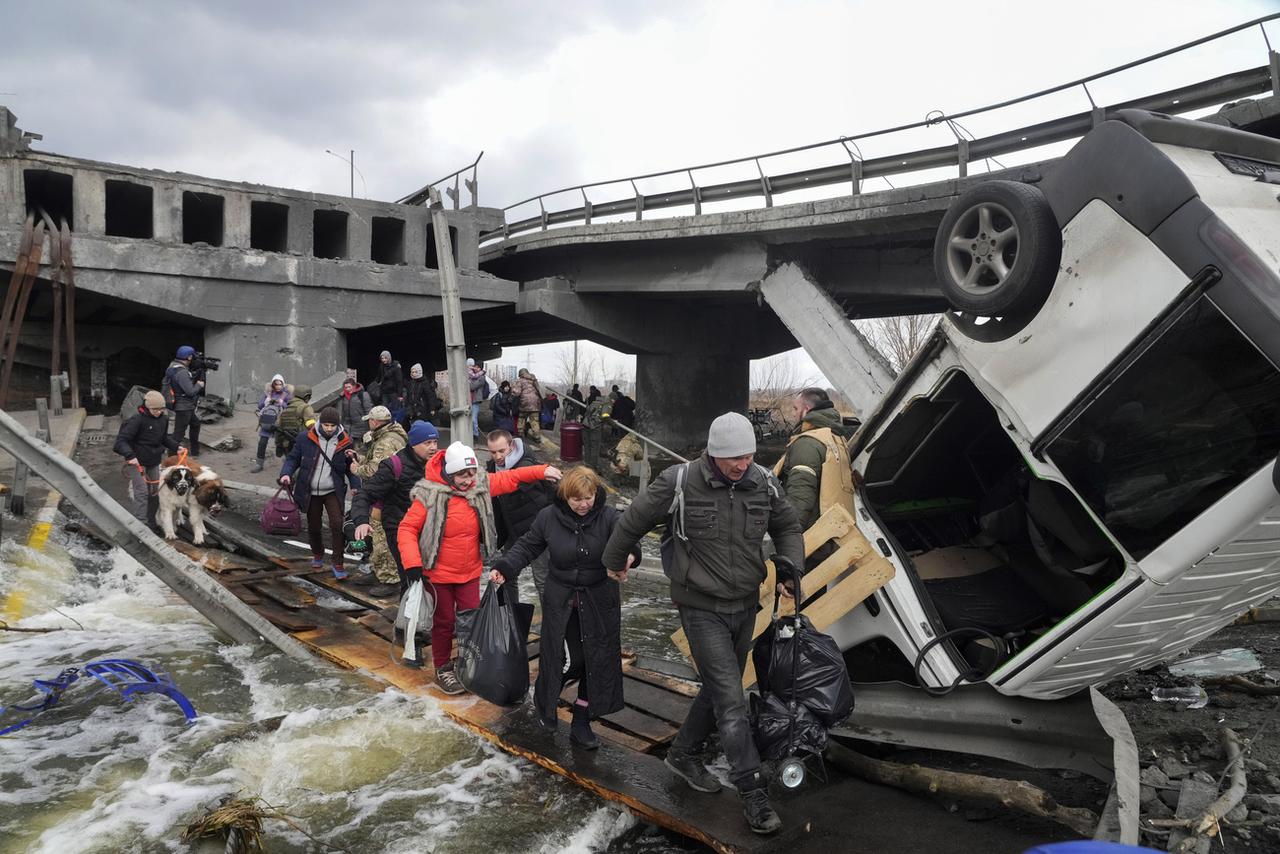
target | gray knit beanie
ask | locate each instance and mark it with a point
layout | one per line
(731, 435)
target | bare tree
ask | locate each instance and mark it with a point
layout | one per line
(899, 338)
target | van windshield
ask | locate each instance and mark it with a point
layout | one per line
(1193, 416)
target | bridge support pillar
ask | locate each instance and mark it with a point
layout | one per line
(678, 395)
(251, 353)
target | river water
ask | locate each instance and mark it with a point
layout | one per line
(357, 771)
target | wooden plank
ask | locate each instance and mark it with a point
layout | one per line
(251, 574)
(284, 593)
(662, 680)
(379, 625)
(651, 729)
(213, 560)
(654, 701)
(618, 737)
(290, 621)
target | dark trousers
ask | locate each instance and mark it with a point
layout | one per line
(719, 644)
(181, 419)
(576, 666)
(262, 447)
(320, 506)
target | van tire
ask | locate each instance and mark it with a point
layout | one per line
(997, 250)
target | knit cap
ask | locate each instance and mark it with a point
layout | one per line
(153, 400)
(422, 431)
(329, 415)
(731, 435)
(458, 457)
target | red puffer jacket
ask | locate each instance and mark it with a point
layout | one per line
(458, 559)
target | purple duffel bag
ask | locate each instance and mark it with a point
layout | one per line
(281, 516)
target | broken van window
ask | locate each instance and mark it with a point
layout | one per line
(1192, 417)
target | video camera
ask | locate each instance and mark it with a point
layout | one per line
(202, 364)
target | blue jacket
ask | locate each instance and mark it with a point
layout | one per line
(301, 464)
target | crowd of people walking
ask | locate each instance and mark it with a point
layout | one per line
(442, 517)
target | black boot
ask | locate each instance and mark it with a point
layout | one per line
(755, 805)
(580, 731)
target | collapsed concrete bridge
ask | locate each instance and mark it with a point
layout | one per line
(266, 278)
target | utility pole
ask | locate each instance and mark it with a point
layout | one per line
(352, 161)
(575, 361)
(455, 344)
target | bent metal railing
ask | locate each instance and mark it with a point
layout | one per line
(420, 196)
(854, 169)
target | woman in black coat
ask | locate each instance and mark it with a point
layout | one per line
(581, 606)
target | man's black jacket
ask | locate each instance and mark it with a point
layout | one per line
(517, 510)
(393, 492)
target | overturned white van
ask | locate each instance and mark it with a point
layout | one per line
(1076, 477)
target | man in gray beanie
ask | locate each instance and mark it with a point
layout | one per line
(717, 509)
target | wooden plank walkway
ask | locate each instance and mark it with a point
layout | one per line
(627, 768)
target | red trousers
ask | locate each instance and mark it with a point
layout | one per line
(450, 598)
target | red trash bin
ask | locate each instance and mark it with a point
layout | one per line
(570, 441)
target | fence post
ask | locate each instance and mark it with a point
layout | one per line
(42, 417)
(55, 394)
(646, 469)
(1275, 73)
(962, 154)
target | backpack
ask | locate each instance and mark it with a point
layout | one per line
(281, 516)
(268, 414)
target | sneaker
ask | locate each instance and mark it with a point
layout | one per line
(339, 573)
(317, 563)
(759, 814)
(447, 681)
(689, 768)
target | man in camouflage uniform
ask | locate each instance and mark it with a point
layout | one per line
(593, 421)
(385, 437)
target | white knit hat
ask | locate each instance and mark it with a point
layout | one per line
(731, 435)
(416, 372)
(458, 457)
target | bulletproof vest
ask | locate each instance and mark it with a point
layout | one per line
(291, 420)
(835, 481)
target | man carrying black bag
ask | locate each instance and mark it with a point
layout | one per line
(718, 509)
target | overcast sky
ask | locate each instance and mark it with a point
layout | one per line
(562, 92)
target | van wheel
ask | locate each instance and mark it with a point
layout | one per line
(997, 250)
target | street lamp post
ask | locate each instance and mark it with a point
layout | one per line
(351, 161)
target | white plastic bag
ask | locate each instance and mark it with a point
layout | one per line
(417, 608)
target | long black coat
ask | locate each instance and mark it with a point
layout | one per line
(575, 544)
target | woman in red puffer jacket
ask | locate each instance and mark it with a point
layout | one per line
(448, 527)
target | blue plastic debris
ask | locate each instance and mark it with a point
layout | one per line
(127, 678)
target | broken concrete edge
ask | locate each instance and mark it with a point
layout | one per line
(184, 577)
(49, 507)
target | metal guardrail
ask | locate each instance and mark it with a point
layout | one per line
(421, 196)
(966, 149)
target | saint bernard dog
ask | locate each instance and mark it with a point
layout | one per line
(190, 488)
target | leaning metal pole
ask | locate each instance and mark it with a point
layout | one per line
(455, 343)
(188, 580)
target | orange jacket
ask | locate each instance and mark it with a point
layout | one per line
(458, 560)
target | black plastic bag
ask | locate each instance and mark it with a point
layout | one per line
(493, 661)
(780, 732)
(793, 659)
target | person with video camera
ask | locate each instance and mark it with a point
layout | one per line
(182, 392)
